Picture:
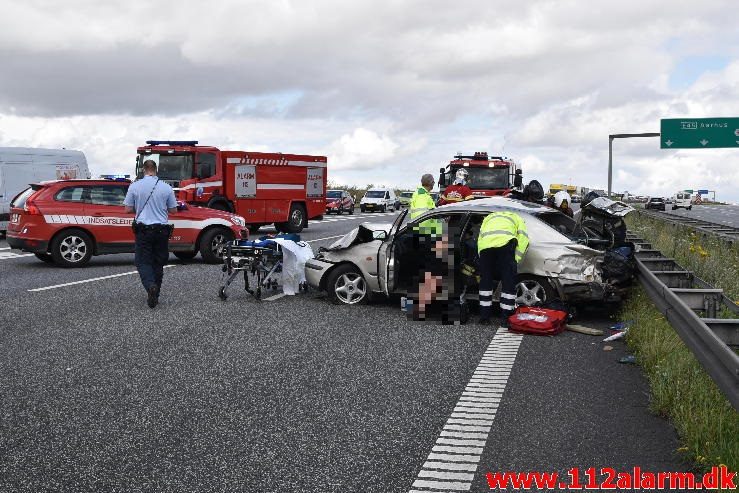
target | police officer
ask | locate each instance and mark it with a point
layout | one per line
(502, 244)
(151, 199)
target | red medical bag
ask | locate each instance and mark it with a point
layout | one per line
(537, 321)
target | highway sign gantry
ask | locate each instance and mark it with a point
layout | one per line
(699, 133)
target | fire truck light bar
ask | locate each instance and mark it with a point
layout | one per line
(172, 142)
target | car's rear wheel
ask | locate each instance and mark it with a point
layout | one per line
(213, 244)
(45, 257)
(346, 285)
(185, 255)
(351, 209)
(71, 248)
(533, 291)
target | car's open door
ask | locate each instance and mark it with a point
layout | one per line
(385, 256)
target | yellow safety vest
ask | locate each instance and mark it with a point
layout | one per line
(498, 228)
(421, 202)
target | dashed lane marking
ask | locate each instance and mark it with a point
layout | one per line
(454, 459)
(46, 288)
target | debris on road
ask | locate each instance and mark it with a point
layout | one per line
(616, 336)
(584, 330)
(607, 348)
(628, 360)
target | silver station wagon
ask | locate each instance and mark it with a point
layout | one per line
(564, 259)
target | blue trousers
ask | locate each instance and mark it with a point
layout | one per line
(498, 264)
(152, 253)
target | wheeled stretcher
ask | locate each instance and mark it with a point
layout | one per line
(260, 259)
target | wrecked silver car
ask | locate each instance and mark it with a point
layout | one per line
(564, 260)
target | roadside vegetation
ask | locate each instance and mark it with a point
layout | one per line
(682, 391)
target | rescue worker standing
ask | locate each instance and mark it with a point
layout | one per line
(421, 201)
(502, 243)
(151, 199)
(459, 190)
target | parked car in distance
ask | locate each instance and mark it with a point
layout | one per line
(656, 203)
(564, 259)
(66, 222)
(405, 198)
(576, 199)
(339, 201)
(378, 199)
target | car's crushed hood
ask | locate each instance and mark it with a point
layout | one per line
(364, 233)
(603, 206)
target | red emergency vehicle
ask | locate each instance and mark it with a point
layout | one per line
(264, 188)
(68, 221)
(488, 176)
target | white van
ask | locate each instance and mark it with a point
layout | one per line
(681, 199)
(20, 166)
(379, 199)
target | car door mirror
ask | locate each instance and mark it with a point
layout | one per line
(379, 235)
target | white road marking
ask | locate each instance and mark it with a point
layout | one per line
(9, 255)
(327, 238)
(275, 297)
(462, 440)
(4, 248)
(89, 280)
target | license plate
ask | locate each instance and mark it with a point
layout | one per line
(370, 206)
(14, 218)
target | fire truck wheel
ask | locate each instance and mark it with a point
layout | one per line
(71, 248)
(185, 255)
(254, 228)
(221, 206)
(212, 244)
(295, 220)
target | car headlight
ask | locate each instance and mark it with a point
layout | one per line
(238, 221)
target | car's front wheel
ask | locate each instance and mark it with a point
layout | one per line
(346, 285)
(185, 255)
(213, 244)
(71, 248)
(45, 257)
(533, 291)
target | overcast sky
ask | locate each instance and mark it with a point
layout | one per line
(387, 89)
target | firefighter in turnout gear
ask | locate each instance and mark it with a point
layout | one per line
(502, 243)
(459, 190)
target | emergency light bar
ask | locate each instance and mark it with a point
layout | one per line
(172, 142)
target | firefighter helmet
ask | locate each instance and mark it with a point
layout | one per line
(561, 197)
(462, 175)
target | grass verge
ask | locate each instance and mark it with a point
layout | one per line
(682, 391)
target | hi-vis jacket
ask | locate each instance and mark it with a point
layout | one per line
(420, 203)
(499, 228)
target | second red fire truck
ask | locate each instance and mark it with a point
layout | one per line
(489, 176)
(264, 188)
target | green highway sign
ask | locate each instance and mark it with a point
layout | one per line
(699, 133)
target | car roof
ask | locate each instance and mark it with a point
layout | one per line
(497, 203)
(93, 181)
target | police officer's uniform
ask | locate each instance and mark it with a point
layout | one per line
(151, 198)
(502, 243)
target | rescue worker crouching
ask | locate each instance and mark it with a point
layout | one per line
(459, 190)
(151, 200)
(502, 243)
(562, 203)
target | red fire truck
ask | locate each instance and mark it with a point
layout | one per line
(489, 176)
(264, 188)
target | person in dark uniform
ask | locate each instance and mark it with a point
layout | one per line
(151, 200)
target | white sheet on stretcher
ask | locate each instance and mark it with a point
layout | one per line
(294, 257)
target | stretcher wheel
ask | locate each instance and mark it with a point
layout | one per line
(258, 294)
(222, 294)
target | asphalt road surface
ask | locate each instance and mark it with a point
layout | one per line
(101, 393)
(721, 214)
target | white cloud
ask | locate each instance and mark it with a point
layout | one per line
(388, 90)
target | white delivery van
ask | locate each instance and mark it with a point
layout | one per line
(681, 199)
(378, 199)
(20, 166)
